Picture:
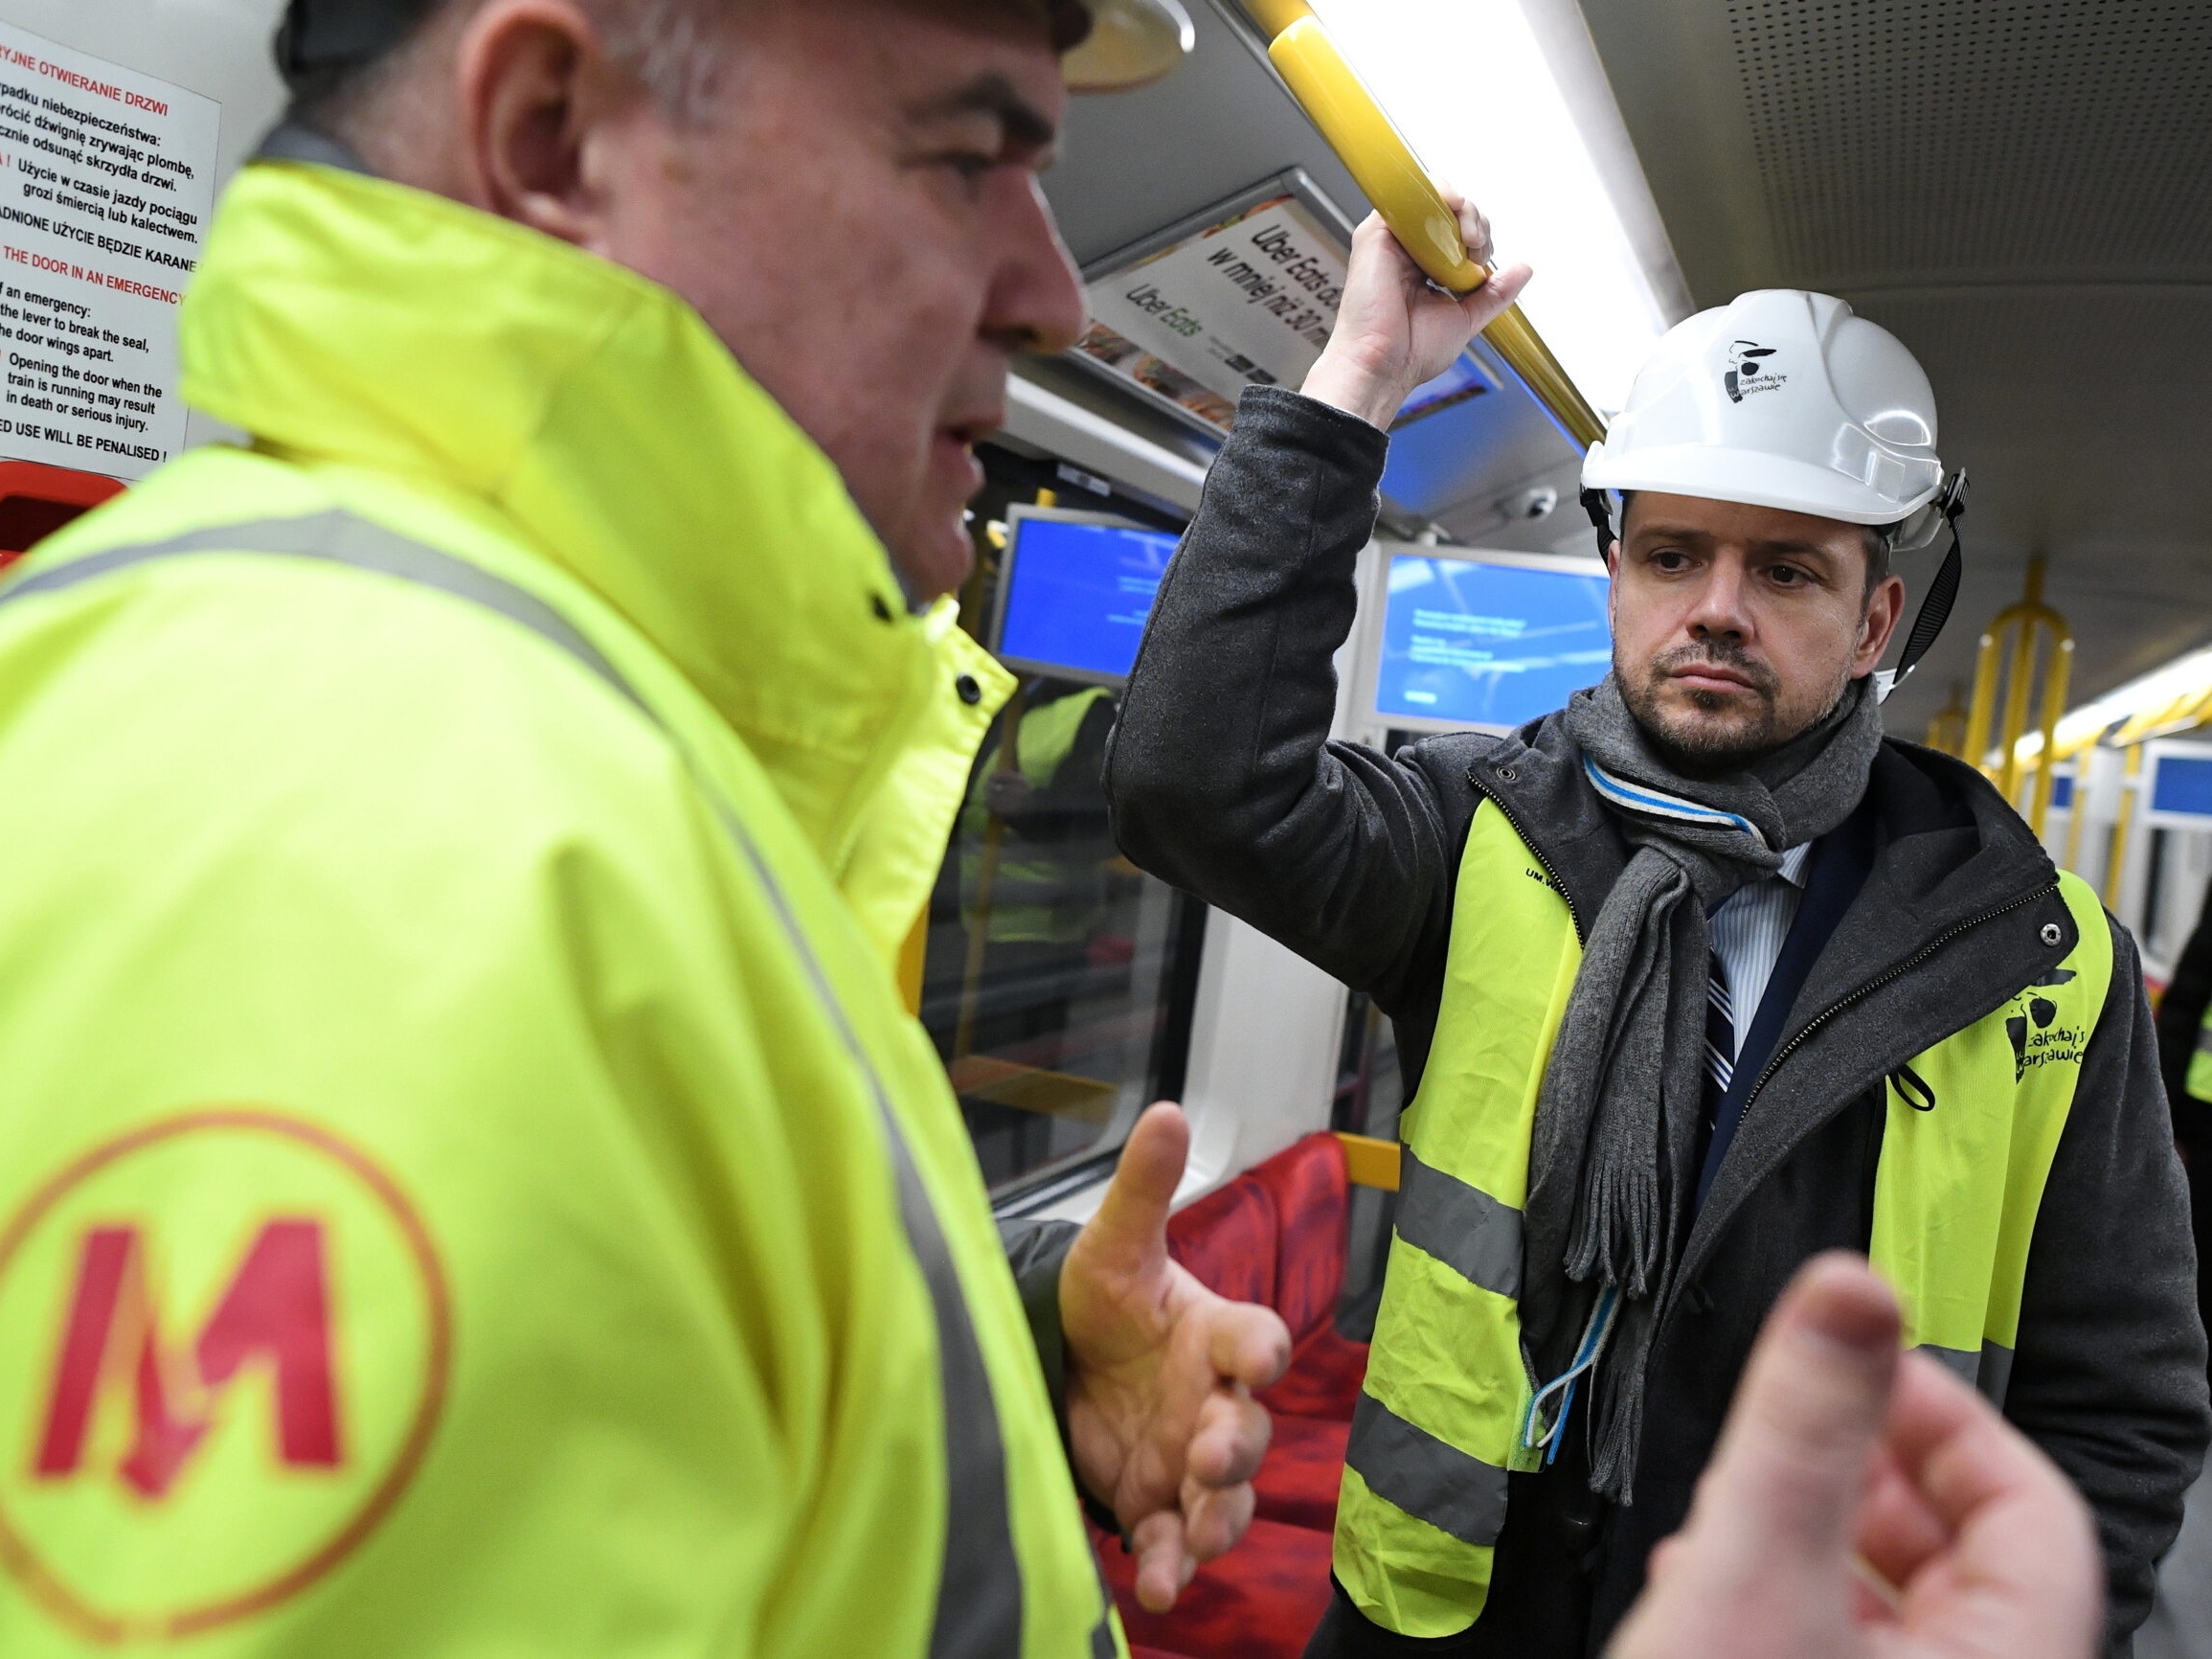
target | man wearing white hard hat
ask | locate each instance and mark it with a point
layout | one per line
(1693, 979)
(468, 1183)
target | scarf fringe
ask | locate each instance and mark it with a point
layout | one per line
(1617, 1228)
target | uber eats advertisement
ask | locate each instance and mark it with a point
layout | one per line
(106, 181)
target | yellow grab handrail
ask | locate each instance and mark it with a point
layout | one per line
(1383, 166)
(1369, 1162)
(2116, 858)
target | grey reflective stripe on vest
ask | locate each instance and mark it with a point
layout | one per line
(1990, 1371)
(979, 1608)
(1431, 1481)
(2204, 1035)
(1465, 1228)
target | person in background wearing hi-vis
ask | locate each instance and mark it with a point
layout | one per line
(1695, 978)
(467, 1182)
(2186, 1057)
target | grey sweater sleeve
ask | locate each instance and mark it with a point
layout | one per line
(2108, 1378)
(1220, 772)
(1036, 1251)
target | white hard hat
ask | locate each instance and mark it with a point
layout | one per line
(1782, 399)
(1788, 399)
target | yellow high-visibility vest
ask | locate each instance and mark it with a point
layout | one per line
(1440, 1422)
(1040, 894)
(467, 1182)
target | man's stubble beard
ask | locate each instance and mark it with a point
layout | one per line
(1704, 751)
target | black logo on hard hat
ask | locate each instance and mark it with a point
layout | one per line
(1747, 371)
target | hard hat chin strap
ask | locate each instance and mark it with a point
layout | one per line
(1942, 594)
(1600, 510)
(1934, 610)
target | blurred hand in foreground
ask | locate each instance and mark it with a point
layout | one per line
(1160, 1371)
(1865, 1504)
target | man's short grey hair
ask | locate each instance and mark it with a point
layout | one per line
(674, 48)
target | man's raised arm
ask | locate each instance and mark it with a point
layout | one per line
(1220, 773)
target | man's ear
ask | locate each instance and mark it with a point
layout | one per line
(1885, 605)
(535, 88)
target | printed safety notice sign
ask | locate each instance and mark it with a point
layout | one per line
(106, 181)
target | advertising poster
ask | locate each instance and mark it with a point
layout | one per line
(106, 181)
(1248, 300)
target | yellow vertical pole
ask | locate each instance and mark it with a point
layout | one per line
(2056, 674)
(2120, 828)
(2080, 808)
(1984, 703)
(2018, 684)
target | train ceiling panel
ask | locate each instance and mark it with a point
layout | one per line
(2022, 190)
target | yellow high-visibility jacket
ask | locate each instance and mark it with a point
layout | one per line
(468, 1183)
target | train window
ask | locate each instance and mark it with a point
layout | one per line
(1059, 978)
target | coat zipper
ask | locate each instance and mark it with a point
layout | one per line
(1879, 981)
(1575, 916)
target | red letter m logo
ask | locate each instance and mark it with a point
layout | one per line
(276, 1309)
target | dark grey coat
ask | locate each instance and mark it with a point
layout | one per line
(1223, 780)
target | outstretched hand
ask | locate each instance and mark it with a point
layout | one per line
(1160, 1371)
(1867, 1505)
(1395, 330)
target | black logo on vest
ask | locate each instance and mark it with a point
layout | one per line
(1748, 370)
(2037, 1039)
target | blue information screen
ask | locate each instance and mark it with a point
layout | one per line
(1488, 645)
(2184, 784)
(1082, 593)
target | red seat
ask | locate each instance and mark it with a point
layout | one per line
(1311, 1199)
(1261, 1601)
(1325, 1372)
(1305, 1463)
(1227, 1241)
(1275, 1234)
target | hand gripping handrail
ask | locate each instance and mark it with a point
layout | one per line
(1383, 166)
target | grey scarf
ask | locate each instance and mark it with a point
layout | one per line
(1616, 1123)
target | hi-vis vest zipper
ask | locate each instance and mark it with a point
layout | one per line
(1439, 1423)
